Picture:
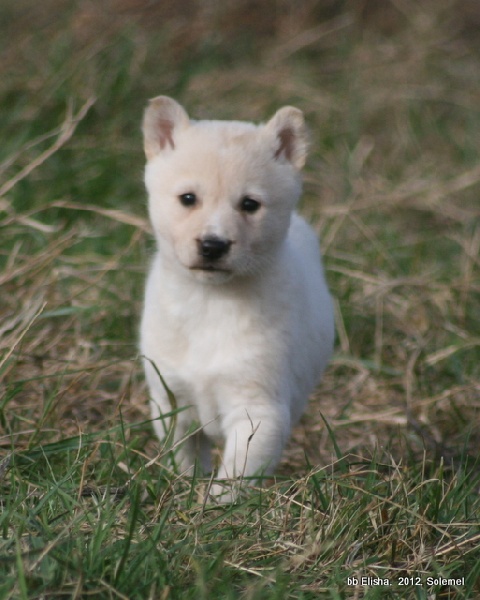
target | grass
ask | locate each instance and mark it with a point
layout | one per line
(381, 478)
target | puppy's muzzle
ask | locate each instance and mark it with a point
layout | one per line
(213, 248)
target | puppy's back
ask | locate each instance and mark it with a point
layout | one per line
(312, 313)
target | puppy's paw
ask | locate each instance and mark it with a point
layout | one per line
(225, 492)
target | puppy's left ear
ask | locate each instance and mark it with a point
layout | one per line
(290, 134)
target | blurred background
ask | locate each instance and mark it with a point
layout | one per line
(390, 90)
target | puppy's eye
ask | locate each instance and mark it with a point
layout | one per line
(249, 205)
(188, 199)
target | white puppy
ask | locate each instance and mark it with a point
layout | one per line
(238, 319)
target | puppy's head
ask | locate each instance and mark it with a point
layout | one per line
(221, 193)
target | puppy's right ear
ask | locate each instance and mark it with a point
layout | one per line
(162, 120)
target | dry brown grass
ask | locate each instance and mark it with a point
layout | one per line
(380, 188)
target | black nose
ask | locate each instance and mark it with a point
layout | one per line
(213, 248)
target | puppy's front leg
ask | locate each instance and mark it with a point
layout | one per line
(254, 441)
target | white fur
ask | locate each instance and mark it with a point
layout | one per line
(241, 340)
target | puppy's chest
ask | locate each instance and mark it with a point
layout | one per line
(213, 339)
(211, 334)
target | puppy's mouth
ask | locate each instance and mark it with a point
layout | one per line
(209, 268)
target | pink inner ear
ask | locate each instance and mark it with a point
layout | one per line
(165, 129)
(286, 137)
